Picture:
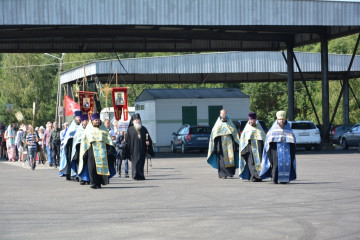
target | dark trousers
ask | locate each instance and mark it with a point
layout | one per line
(55, 152)
(119, 163)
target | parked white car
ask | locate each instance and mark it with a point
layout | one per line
(307, 134)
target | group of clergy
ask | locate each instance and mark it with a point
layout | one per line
(88, 155)
(257, 155)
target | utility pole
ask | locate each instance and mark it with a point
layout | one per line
(59, 91)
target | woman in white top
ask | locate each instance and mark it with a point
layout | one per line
(41, 156)
(19, 142)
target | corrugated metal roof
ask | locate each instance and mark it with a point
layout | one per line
(171, 25)
(151, 94)
(184, 12)
(214, 67)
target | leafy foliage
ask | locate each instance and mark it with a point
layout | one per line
(21, 86)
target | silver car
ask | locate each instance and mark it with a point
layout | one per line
(351, 137)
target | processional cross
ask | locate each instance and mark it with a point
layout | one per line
(106, 90)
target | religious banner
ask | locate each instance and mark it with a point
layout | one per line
(70, 106)
(119, 98)
(86, 102)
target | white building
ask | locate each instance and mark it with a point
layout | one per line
(164, 111)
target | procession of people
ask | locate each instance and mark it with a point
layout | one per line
(89, 151)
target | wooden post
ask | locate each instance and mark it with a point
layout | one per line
(116, 78)
(147, 159)
(33, 121)
(84, 79)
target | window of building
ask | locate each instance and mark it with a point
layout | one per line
(139, 107)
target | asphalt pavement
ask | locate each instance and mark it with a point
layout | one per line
(183, 198)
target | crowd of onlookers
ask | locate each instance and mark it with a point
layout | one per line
(29, 145)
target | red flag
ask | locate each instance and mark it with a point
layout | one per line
(70, 106)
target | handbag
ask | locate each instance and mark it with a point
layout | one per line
(38, 147)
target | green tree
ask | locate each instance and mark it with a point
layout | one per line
(22, 85)
(266, 99)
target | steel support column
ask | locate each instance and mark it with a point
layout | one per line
(347, 86)
(70, 91)
(346, 101)
(325, 87)
(61, 119)
(306, 88)
(290, 79)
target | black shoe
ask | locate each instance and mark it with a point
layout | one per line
(82, 182)
(256, 180)
(95, 186)
(68, 178)
(50, 165)
(119, 174)
(75, 179)
(126, 175)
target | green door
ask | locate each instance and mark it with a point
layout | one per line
(189, 115)
(214, 113)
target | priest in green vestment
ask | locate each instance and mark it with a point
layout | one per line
(97, 152)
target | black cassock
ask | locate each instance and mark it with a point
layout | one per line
(222, 170)
(250, 172)
(136, 149)
(89, 160)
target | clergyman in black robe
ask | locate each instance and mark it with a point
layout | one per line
(251, 148)
(138, 145)
(98, 153)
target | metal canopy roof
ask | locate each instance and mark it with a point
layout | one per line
(171, 25)
(213, 68)
(152, 94)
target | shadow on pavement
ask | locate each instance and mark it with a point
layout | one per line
(308, 183)
(299, 151)
(129, 187)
